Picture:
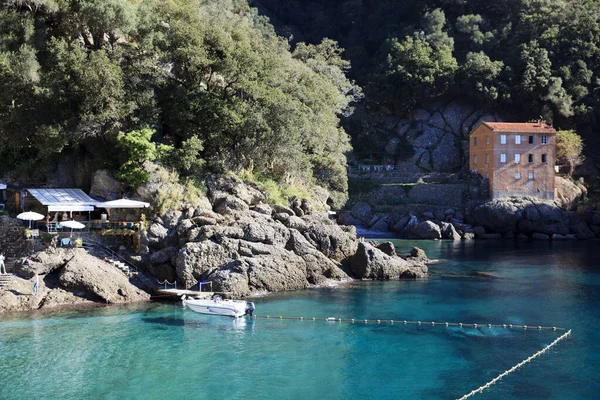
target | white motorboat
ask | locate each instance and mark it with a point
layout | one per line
(219, 306)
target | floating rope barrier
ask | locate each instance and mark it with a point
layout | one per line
(419, 323)
(513, 369)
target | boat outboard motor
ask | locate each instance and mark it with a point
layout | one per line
(250, 308)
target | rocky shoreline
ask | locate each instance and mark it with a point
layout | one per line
(505, 218)
(231, 238)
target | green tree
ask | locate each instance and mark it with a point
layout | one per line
(569, 148)
(138, 148)
(480, 76)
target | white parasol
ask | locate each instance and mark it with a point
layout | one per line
(72, 225)
(30, 216)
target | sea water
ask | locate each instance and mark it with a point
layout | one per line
(161, 351)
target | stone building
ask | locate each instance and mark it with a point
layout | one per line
(516, 158)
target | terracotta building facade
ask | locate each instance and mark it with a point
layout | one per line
(516, 158)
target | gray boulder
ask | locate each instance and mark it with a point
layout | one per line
(196, 260)
(346, 218)
(229, 205)
(332, 241)
(156, 235)
(449, 232)
(319, 268)
(500, 215)
(296, 223)
(426, 230)
(371, 263)
(380, 226)
(388, 248)
(163, 256)
(568, 193)
(255, 231)
(43, 263)
(202, 221)
(263, 209)
(105, 185)
(99, 279)
(278, 209)
(362, 211)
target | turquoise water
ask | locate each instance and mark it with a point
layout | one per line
(160, 351)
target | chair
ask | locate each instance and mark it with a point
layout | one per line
(59, 227)
(35, 233)
(66, 242)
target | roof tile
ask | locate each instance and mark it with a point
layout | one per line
(520, 127)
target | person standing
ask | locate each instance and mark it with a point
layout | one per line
(36, 283)
(2, 266)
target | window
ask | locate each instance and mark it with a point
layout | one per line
(487, 159)
(531, 139)
(530, 176)
(503, 158)
(517, 139)
(517, 158)
(475, 141)
(544, 139)
(544, 158)
(474, 159)
(487, 140)
(502, 139)
(530, 158)
(517, 175)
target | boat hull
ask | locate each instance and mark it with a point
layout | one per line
(230, 308)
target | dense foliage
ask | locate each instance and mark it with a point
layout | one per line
(530, 58)
(207, 81)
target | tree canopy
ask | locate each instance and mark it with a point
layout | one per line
(210, 80)
(530, 58)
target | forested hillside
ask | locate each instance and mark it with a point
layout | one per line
(531, 58)
(204, 86)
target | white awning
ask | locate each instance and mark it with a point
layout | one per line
(123, 203)
(67, 207)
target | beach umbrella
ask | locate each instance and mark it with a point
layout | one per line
(30, 216)
(72, 225)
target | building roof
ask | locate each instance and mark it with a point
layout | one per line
(520, 127)
(64, 199)
(122, 203)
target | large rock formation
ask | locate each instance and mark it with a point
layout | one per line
(246, 246)
(93, 278)
(231, 238)
(69, 277)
